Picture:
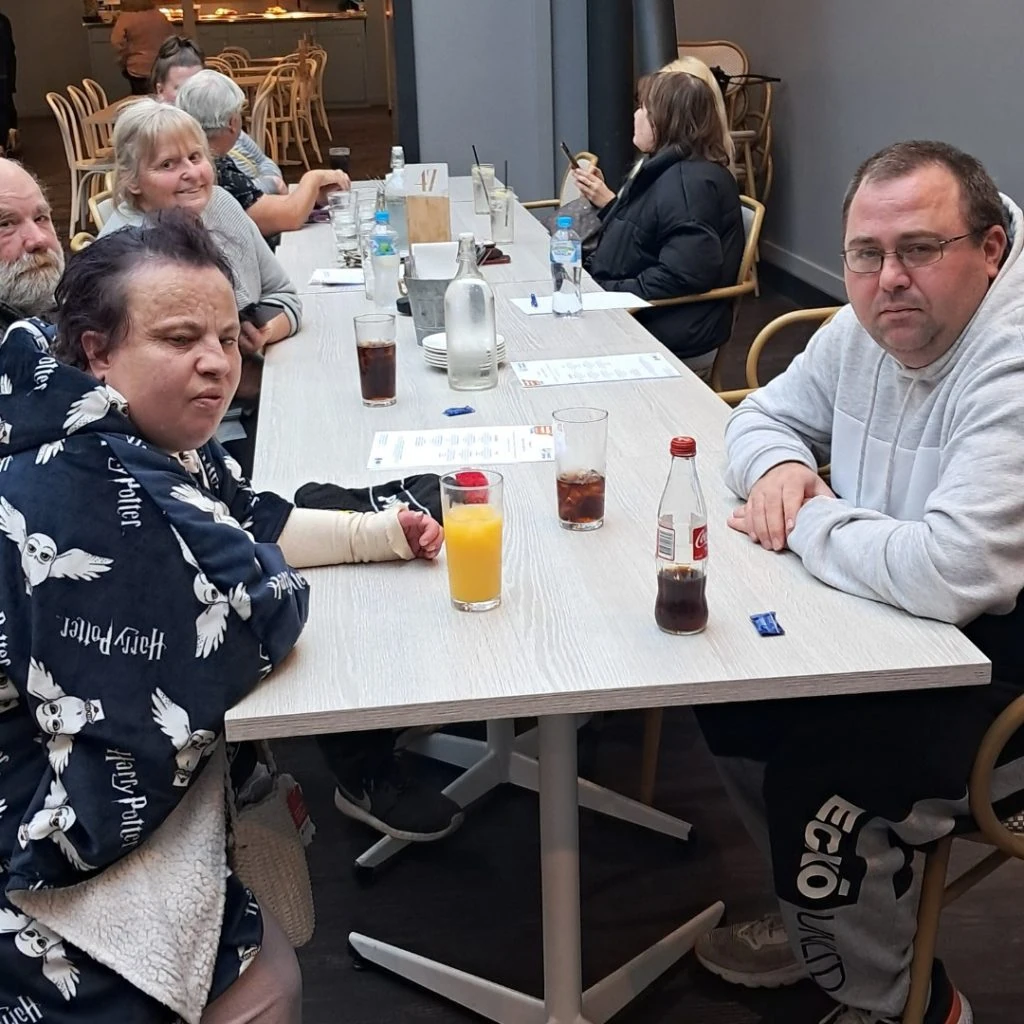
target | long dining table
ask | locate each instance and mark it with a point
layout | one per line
(575, 632)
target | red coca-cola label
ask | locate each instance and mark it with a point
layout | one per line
(699, 535)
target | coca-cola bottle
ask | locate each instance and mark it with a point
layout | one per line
(682, 556)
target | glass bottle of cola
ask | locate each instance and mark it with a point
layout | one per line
(682, 556)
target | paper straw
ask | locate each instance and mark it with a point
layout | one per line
(482, 185)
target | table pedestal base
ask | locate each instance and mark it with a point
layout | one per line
(504, 757)
(561, 795)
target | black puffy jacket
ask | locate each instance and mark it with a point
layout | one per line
(675, 228)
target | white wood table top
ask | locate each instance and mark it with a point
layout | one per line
(312, 247)
(575, 631)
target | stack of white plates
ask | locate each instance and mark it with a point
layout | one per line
(435, 350)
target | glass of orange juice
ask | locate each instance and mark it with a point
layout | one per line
(472, 512)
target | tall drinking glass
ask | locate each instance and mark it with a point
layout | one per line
(581, 445)
(503, 215)
(342, 208)
(471, 504)
(375, 349)
(483, 182)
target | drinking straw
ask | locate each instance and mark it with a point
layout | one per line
(507, 203)
(482, 185)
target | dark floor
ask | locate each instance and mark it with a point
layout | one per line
(473, 900)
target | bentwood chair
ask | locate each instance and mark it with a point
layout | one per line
(569, 190)
(319, 55)
(86, 171)
(732, 59)
(92, 137)
(101, 206)
(746, 282)
(1006, 836)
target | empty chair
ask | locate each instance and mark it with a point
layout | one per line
(84, 170)
(319, 55)
(92, 138)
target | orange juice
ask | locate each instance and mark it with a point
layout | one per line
(472, 534)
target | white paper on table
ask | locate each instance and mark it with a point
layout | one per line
(460, 446)
(541, 373)
(591, 300)
(345, 277)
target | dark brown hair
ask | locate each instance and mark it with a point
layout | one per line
(979, 195)
(93, 294)
(683, 114)
(174, 52)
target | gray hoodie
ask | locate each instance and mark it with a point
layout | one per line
(928, 464)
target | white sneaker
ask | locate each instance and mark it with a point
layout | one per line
(756, 954)
(960, 1013)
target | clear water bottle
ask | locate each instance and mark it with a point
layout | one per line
(394, 198)
(682, 556)
(566, 269)
(469, 325)
(385, 263)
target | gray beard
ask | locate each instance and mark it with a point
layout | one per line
(29, 287)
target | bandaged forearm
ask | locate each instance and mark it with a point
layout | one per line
(314, 536)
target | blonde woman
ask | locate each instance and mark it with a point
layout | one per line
(138, 32)
(696, 67)
(162, 160)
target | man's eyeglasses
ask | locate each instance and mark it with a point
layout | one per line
(913, 255)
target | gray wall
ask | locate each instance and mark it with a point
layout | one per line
(483, 77)
(858, 76)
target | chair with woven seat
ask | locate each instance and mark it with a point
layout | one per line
(569, 190)
(86, 172)
(753, 217)
(1006, 836)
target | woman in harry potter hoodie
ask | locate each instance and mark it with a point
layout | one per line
(145, 588)
(676, 227)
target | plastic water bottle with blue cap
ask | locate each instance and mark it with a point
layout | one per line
(385, 261)
(566, 269)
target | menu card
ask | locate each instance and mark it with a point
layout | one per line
(465, 446)
(540, 373)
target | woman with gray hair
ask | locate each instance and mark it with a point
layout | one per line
(216, 102)
(162, 161)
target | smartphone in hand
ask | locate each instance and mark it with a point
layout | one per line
(568, 155)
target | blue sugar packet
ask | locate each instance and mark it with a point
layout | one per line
(766, 624)
(459, 410)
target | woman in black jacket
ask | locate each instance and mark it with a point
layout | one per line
(676, 226)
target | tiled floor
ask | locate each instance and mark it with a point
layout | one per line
(473, 900)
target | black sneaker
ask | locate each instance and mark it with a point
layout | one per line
(395, 803)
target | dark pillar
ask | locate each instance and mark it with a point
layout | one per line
(654, 23)
(405, 110)
(610, 86)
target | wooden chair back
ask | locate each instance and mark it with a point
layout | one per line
(101, 206)
(70, 132)
(217, 64)
(96, 93)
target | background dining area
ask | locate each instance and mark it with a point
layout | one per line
(516, 916)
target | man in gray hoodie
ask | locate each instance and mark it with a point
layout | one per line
(915, 395)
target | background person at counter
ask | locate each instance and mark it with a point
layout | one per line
(138, 32)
